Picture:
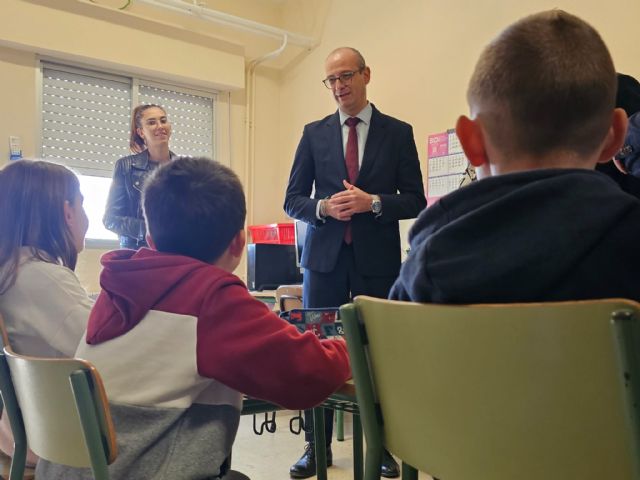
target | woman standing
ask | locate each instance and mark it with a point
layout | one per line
(149, 142)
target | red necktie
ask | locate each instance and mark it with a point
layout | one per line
(351, 160)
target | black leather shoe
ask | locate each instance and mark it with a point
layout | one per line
(389, 467)
(306, 466)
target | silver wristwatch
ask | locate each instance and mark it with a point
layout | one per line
(376, 205)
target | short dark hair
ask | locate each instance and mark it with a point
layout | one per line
(32, 196)
(546, 82)
(628, 96)
(194, 207)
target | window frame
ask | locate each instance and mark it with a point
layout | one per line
(221, 109)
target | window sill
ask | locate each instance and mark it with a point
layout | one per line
(101, 244)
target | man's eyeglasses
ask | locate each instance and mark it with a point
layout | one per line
(344, 77)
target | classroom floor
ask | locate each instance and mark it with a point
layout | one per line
(269, 456)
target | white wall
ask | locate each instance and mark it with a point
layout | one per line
(421, 54)
(106, 39)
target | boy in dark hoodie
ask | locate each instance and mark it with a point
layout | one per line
(178, 338)
(540, 224)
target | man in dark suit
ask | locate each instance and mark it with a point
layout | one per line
(364, 171)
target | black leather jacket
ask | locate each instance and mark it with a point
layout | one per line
(123, 214)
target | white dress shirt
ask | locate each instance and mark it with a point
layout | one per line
(362, 129)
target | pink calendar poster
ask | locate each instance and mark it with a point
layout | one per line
(446, 165)
(438, 145)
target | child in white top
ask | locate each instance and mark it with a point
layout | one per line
(43, 224)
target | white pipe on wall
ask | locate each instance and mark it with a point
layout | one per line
(250, 132)
(232, 21)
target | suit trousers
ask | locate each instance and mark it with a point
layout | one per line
(333, 289)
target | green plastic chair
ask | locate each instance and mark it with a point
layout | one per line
(520, 391)
(65, 411)
(12, 410)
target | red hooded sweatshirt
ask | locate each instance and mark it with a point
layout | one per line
(238, 340)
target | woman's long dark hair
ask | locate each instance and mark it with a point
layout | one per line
(32, 195)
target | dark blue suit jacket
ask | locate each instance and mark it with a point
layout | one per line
(390, 168)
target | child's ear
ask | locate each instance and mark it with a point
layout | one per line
(236, 247)
(472, 140)
(68, 214)
(614, 139)
(150, 241)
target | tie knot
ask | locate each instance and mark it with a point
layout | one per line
(352, 121)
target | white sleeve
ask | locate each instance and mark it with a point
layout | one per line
(72, 311)
(49, 310)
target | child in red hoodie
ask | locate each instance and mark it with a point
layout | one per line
(178, 338)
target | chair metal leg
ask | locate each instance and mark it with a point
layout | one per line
(358, 473)
(321, 443)
(373, 459)
(408, 472)
(7, 396)
(340, 425)
(18, 462)
(89, 422)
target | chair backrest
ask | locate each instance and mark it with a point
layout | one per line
(12, 410)
(520, 391)
(65, 411)
(289, 297)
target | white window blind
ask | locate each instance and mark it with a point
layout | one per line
(85, 120)
(190, 115)
(86, 117)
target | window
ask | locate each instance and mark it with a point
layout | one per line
(85, 125)
(190, 115)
